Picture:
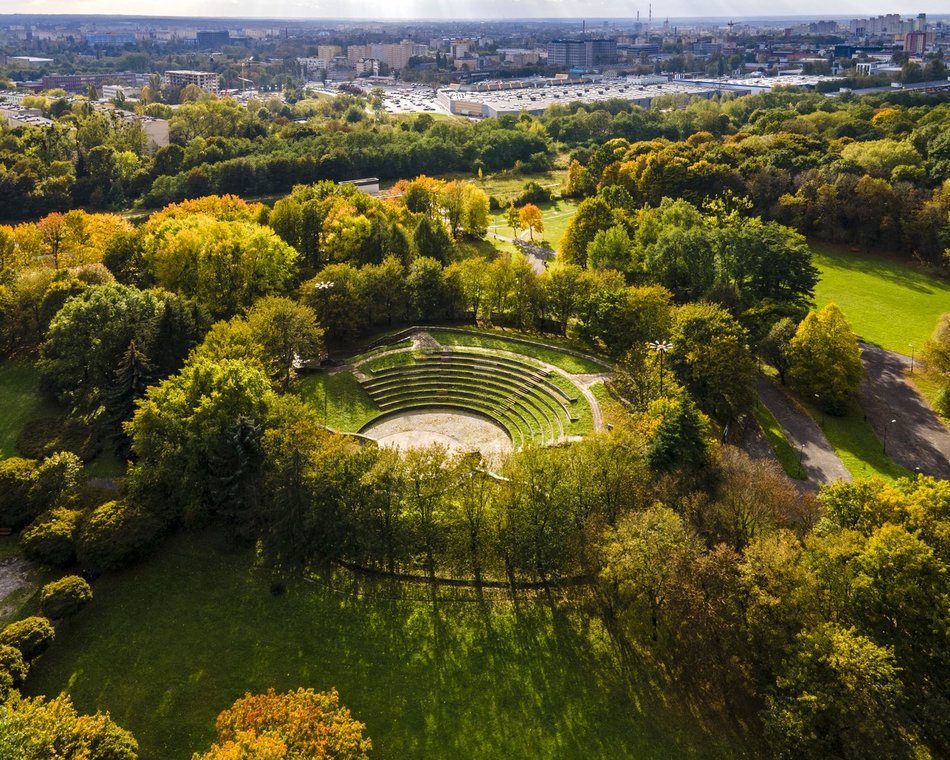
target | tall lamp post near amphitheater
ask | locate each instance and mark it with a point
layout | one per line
(661, 347)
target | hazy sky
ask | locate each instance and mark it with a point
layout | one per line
(455, 9)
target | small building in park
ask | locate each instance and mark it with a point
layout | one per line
(369, 185)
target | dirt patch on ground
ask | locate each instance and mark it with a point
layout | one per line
(16, 582)
(456, 430)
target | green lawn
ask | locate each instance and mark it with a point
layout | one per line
(339, 400)
(167, 644)
(786, 455)
(556, 216)
(928, 387)
(507, 187)
(574, 365)
(887, 301)
(855, 441)
(21, 402)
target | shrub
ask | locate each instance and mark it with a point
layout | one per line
(532, 192)
(65, 597)
(13, 665)
(57, 477)
(17, 476)
(51, 539)
(32, 636)
(115, 533)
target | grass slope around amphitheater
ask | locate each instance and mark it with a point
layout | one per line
(453, 381)
(170, 642)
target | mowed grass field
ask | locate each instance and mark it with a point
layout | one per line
(20, 401)
(556, 216)
(166, 645)
(887, 301)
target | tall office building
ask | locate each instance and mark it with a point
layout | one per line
(582, 53)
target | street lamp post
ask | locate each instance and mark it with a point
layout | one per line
(801, 456)
(820, 408)
(884, 443)
(324, 288)
(661, 347)
(911, 357)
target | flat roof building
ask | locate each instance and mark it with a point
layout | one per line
(206, 80)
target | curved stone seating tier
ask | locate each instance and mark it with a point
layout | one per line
(533, 419)
(515, 370)
(497, 363)
(516, 394)
(383, 387)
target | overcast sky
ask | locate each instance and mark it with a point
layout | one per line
(457, 9)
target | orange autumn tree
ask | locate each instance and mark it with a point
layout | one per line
(297, 725)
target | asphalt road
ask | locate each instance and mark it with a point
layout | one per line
(916, 438)
(821, 463)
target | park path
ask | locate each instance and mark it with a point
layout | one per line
(821, 463)
(537, 263)
(916, 438)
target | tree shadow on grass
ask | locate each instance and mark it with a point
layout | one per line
(169, 643)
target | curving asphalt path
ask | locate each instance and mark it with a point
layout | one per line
(821, 463)
(916, 439)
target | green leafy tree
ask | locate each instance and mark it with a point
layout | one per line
(826, 359)
(710, 357)
(641, 560)
(565, 287)
(431, 240)
(838, 696)
(338, 298)
(179, 425)
(224, 265)
(775, 348)
(610, 249)
(288, 333)
(88, 337)
(593, 215)
(936, 358)
(431, 296)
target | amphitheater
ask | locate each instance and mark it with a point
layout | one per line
(492, 398)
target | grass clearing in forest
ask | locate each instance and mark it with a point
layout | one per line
(888, 301)
(170, 642)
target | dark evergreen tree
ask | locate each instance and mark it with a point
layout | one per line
(132, 376)
(234, 468)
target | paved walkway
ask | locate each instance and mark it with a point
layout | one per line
(821, 463)
(917, 438)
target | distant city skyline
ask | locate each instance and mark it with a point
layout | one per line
(463, 9)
